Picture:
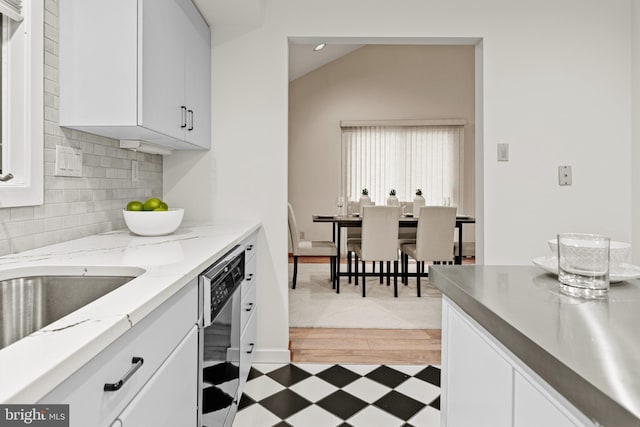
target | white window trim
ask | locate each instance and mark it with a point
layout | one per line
(23, 107)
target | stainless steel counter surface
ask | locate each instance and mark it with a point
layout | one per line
(588, 350)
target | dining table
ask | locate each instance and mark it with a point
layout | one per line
(354, 220)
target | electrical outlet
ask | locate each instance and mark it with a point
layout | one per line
(302, 235)
(564, 175)
(134, 171)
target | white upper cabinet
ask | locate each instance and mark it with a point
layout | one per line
(197, 78)
(136, 70)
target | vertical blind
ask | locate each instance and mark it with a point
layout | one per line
(404, 158)
(12, 9)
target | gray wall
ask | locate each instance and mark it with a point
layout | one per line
(76, 207)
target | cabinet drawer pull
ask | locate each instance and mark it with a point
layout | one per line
(183, 124)
(250, 348)
(190, 119)
(137, 363)
(249, 307)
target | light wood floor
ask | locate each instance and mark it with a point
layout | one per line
(365, 346)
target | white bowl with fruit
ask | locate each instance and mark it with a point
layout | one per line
(152, 218)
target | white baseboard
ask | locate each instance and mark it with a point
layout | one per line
(272, 356)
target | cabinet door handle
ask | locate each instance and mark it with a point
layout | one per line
(250, 348)
(249, 277)
(249, 307)
(137, 363)
(191, 119)
(183, 109)
(250, 247)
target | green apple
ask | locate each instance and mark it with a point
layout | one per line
(135, 205)
(152, 203)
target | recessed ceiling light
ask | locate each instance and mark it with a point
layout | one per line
(319, 47)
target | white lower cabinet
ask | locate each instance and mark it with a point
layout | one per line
(169, 399)
(477, 390)
(532, 409)
(485, 385)
(247, 344)
(154, 340)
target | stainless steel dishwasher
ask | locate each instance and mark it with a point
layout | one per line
(219, 339)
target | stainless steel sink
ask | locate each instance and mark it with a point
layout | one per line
(28, 304)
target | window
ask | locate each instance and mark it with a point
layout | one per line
(404, 156)
(22, 102)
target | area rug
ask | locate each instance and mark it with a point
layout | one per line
(313, 304)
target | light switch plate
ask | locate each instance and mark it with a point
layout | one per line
(564, 175)
(503, 152)
(68, 161)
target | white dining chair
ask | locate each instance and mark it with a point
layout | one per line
(434, 240)
(379, 241)
(354, 235)
(406, 235)
(310, 248)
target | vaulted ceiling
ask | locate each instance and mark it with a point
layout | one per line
(243, 15)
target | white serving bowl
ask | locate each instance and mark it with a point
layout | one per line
(153, 223)
(619, 252)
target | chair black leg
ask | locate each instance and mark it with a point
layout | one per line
(364, 280)
(405, 269)
(381, 274)
(332, 273)
(295, 271)
(349, 266)
(355, 267)
(419, 268)
(395, 279)
(388, 273)
(336, 278)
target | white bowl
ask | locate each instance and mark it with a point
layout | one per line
(153, 223)
(619, 252)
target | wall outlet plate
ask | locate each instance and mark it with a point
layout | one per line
(564, 175)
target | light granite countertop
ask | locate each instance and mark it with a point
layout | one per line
(33, 366)
(588, 350)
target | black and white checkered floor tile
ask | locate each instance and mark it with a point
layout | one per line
(309, 395)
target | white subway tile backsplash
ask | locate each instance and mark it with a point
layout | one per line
(51, 87)
(53, 196)
(50, 46)
(100, 150)
(51, 114)
(44, 239)
(19, 214)
(53, 223)
(5, 247)
(21, 244)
